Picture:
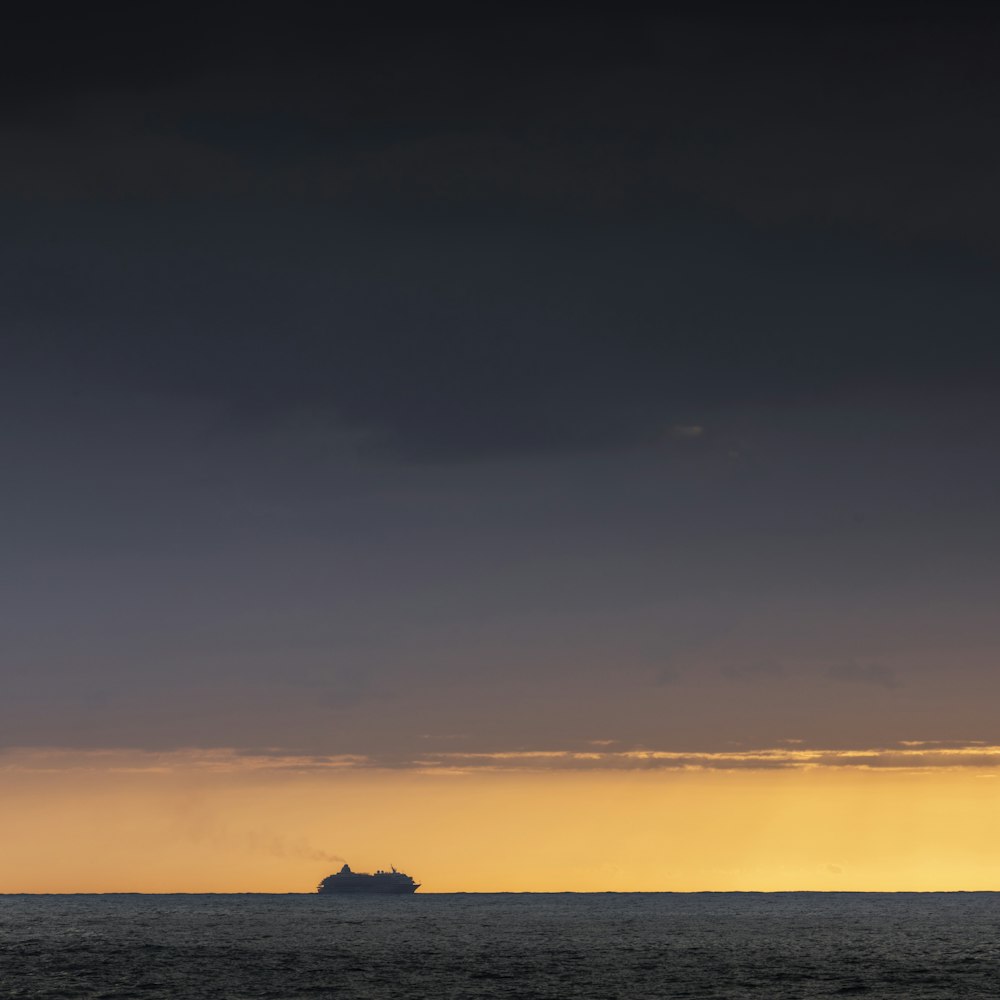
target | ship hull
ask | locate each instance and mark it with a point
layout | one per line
(368, 890)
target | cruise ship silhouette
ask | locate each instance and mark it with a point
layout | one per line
(346, 881)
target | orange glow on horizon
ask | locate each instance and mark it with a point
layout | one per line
(178, 827)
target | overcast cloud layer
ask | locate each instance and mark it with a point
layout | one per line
(499, 386)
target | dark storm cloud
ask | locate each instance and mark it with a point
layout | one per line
(462, 343)
(481, 238)
(863, 120)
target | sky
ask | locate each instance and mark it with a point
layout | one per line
(540, 452)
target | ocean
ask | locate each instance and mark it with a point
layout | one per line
(608, 945)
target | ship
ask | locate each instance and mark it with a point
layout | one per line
(393, 882)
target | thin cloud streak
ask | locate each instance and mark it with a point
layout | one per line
(908, 755)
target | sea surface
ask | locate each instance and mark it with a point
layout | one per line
(629, 945)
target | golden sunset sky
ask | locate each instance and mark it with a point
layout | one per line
(197, 821)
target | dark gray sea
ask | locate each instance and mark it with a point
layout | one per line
(725, 945)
